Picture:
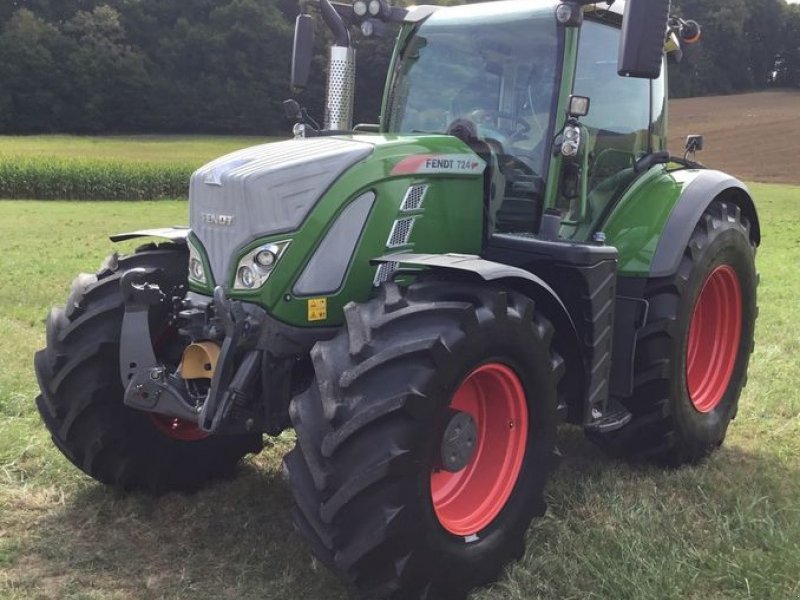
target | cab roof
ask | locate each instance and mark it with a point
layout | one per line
(477, 10)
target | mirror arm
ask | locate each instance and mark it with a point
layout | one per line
(334, 21)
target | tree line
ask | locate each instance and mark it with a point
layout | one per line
(222, 66)
(747, 45)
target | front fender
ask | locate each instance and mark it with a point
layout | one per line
(468, 263)
(176, 234)
(547, 301)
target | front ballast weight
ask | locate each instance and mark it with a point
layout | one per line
(225, 338)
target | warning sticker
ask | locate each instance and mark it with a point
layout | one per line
(440, 164)
(317, 309)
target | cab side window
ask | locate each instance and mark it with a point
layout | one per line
(619, 116)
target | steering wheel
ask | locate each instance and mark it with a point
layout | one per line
(483, 116)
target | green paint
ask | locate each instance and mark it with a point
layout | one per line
(636, 224)
(568, 67)
(453, 215)
(406, 31)
(451, 220)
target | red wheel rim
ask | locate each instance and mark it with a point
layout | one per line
(714, 334)
(467, 501)
(177, 429)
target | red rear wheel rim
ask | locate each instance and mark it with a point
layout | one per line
(467, 501)
(177, 429)
(714, 335)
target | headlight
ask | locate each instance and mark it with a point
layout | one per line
(256, 266)
(266, 258)
(247, 277)
(197, 270)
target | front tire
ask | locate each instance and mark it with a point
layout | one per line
(692, 355)
(81, 400)
(371, 495)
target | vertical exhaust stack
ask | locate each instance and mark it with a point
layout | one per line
(341, 88)
(341, 72)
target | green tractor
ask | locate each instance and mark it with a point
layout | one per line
(426, 299)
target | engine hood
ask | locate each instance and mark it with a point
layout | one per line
(264, 190)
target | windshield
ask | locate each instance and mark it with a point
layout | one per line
(496, 73)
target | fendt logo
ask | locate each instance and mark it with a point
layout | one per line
(212, 219)
(440, 164)
(447, 164)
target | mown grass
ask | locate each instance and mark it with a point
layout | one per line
(60, 167)
(726, 529)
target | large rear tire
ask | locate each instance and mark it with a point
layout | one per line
(81, 400)
(371, 495)
(693, 352)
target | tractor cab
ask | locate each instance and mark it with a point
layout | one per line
(498, 77)
(487, 75)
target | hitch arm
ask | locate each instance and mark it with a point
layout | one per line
(231, 384)
(147, 384)
(138, 294)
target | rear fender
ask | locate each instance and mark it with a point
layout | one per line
(652, 223)
(707, 187)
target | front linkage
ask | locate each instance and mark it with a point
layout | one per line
(238, 373)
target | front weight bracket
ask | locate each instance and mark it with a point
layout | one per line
(147, 384)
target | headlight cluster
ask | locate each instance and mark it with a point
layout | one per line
(572, 141)
(256, 266)
(197, 270)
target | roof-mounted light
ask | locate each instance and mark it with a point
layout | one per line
(360, 8)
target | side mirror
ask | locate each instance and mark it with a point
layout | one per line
(302, 51)
(644, 28)
(292, 110)
(694, 143)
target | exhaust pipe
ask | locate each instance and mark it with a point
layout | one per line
(341, 72)
(341, 89)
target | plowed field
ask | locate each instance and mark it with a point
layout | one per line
(753, 136)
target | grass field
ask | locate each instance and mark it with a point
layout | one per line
(727, 529)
